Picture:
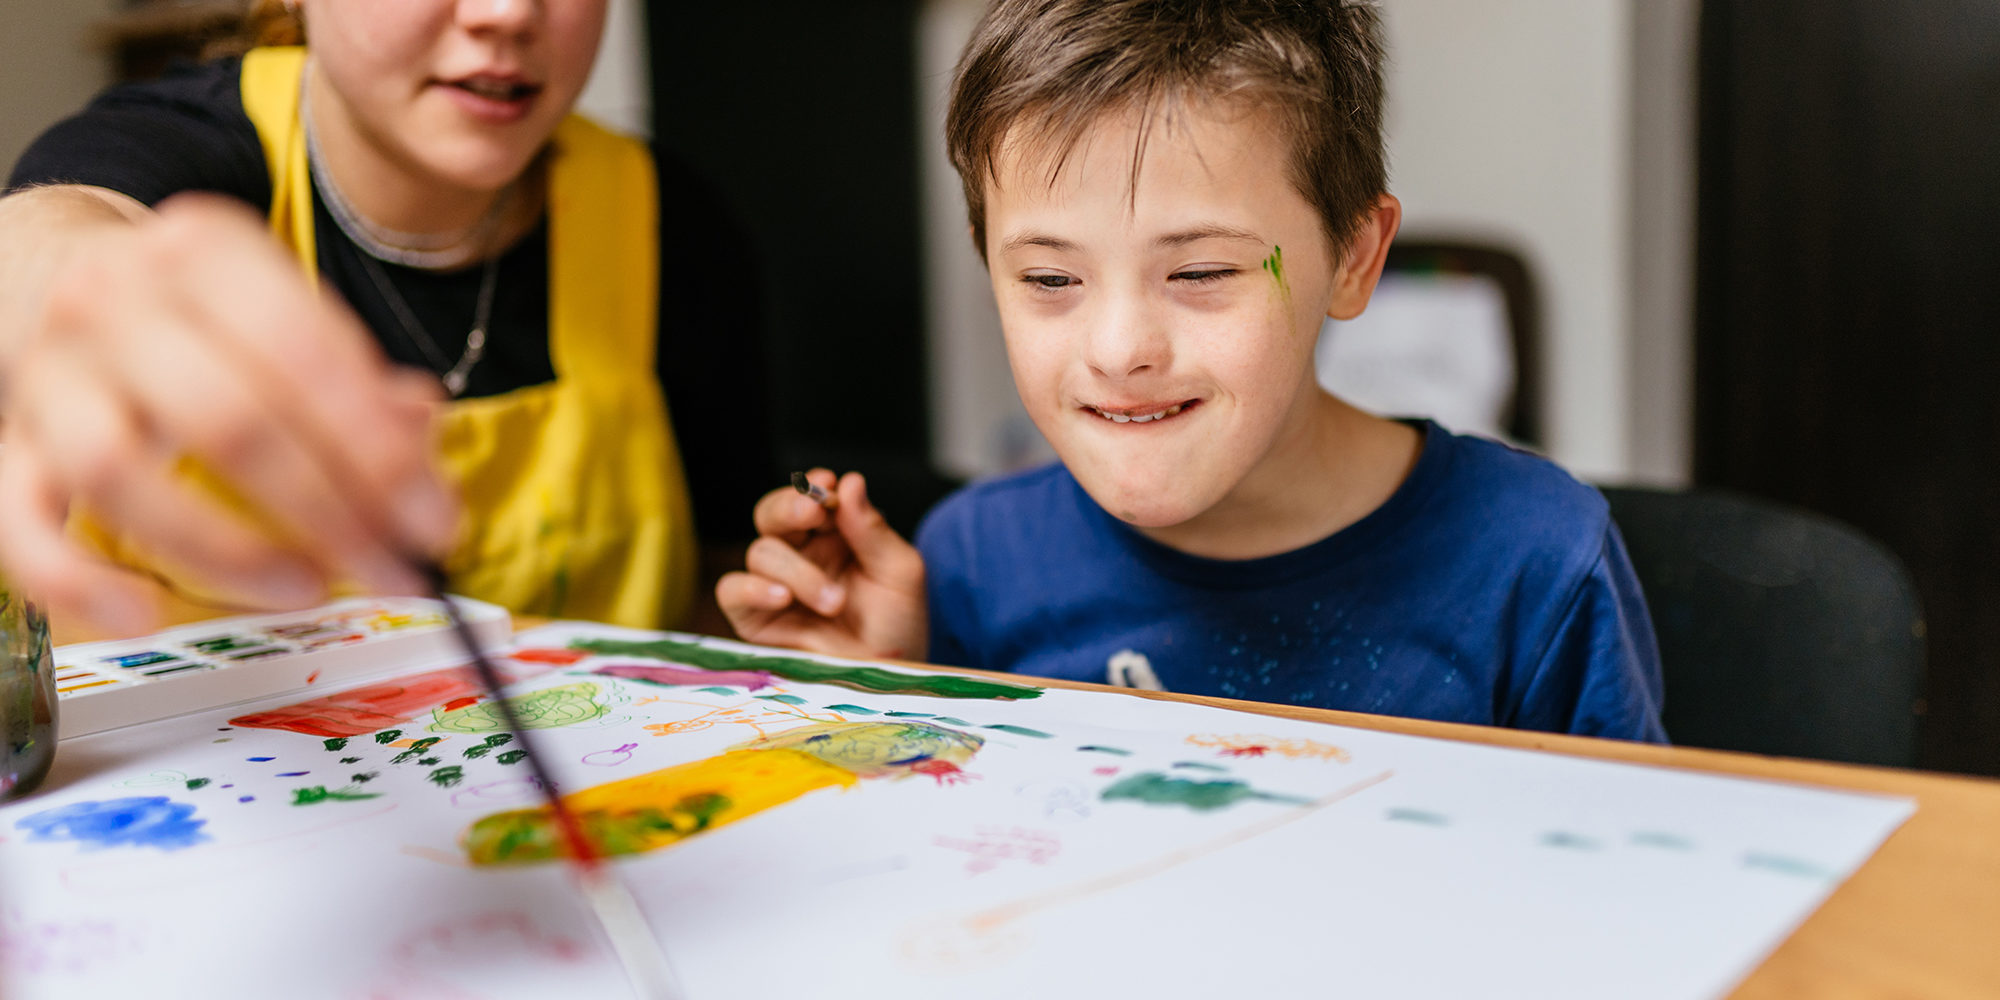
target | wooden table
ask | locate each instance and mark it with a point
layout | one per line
(1920, 920)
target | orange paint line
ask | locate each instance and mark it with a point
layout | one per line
(79, 687)
(992, 919)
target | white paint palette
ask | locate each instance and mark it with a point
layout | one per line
(105, 685)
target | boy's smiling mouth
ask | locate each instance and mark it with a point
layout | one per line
(1144, 413)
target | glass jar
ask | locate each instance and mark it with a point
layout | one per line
(27, 697)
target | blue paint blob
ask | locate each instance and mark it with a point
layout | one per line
(246, 798)
(293, 774)
(260, 759)
(140, 821)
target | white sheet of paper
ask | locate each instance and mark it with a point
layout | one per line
(1352, 862)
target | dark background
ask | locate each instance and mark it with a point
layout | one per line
(1848, 305)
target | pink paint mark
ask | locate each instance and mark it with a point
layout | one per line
(690, 676)
(611, 758)
(944, 772)
(989, 846)
(1253, 750)
(559, 657)
(432, 962)
(1104, 770)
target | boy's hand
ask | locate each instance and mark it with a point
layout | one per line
(839, 582)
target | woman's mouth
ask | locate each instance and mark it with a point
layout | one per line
(493, 97)
(1142, 414)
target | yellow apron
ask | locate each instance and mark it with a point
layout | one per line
(575, 501)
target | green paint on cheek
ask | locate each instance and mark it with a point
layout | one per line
(1275, 264)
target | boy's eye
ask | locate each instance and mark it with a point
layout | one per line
(1050, 280)
(1202, 276)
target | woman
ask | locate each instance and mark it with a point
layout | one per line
(496, 331)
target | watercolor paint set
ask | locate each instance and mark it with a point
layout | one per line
(105, 685)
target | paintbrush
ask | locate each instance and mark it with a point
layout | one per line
(617, 912)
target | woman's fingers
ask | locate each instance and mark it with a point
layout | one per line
(42, 561)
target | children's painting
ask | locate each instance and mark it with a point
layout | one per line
(797, 826)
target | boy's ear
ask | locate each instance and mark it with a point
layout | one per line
(1361, 268)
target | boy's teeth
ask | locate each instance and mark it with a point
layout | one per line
(1141, 418)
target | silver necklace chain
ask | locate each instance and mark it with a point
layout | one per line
(455, 375)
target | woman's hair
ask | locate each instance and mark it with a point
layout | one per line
(1312, 68)
(265, 22)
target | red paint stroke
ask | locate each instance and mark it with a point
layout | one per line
(1253, 750)
(457, 703)
(366, 709)
(944, 772)
(311, 677)
(755, 680)
(559, 657)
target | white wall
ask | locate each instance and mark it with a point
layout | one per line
(47, 69)
(619, 93)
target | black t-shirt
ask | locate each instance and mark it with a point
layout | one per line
(188, 132)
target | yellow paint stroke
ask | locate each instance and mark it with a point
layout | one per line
(878, 749)
(1241, 745)
(989, 920)
(656, 809)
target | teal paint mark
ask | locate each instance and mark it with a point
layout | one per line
(1649, 838)
(490, 744)
(1021, 731)
(1156, 789)
(717, 690)
(446, 777)
(908, 715)
(196, 784)
(318, 794)
(949, 721)
(349, 760)
(789, 699)
(1786, 866)
(417, 749)
(1114, 751)
(1274, 265)
(1416, 816)
(512, 757)
(428, 761)
(388, 736)
(337, 743)
(812, 671)
(1195, 765)
(851, 709)
(1568, 841)
(365, 777)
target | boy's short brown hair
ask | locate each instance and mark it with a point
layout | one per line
(1314, 67)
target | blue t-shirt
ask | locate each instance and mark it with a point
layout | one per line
(1490, 588)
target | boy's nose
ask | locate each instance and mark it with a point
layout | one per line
(499, 15)
(1127, 342)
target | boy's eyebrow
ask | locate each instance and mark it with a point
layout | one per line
(1210, 231)
(1033, 239)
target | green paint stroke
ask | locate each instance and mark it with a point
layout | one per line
(1649, 838)
(1195, 765)
(717, 690)
(196, 784)
(1154, 788)
(1416, 816)
(1786, 866)
(949, 721)
(318, 794)
(349, 760)
(812, 671)
(851, 709)
(789, 699)
(908, 715)
(446, 777)
(428, 761)
(1021, 731)
(490, 744)
(1275, 266)
(526, 836)
(388, 736)
(1568, 841)
(337, 743)
(417, 749)
(549, 708)
(364, 777)
(512, 757)
(1114, 751)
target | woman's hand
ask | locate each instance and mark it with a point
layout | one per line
(854, 590)
(191, 333)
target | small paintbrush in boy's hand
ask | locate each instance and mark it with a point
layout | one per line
(623, 922)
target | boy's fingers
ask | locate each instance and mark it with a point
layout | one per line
(882, 553)
(786, 513)
(782, 564)
(748, 593)
(44, 564)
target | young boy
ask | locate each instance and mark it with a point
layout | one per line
(1169, 197)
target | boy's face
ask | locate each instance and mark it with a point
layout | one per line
(1161, 333)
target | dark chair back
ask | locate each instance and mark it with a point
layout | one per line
(1781, 631)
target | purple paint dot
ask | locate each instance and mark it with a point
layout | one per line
(293, 774)
(246, 798)
(260, 758)
(229, 786)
